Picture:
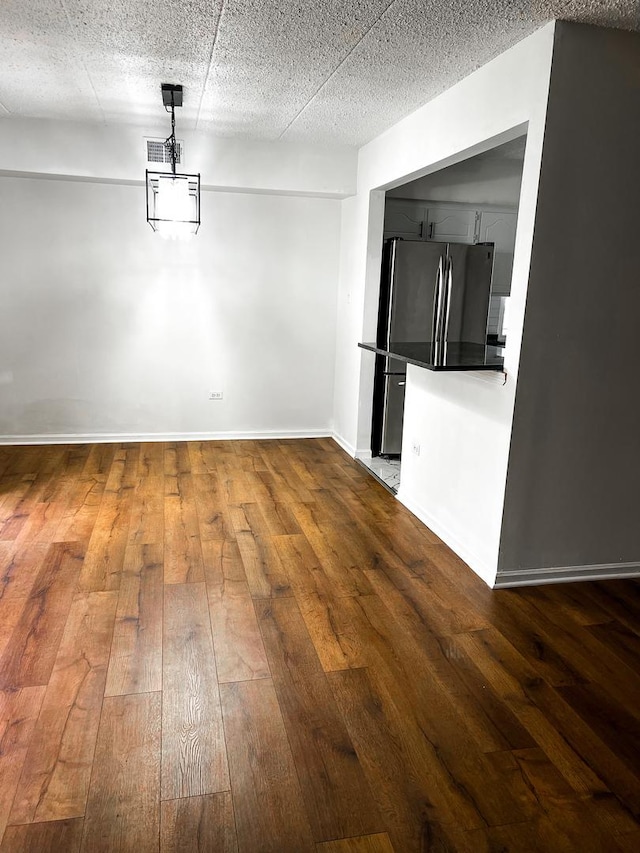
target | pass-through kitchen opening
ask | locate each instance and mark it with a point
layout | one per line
(447, 259)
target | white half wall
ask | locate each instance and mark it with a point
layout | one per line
(462, 423)
(107, 329)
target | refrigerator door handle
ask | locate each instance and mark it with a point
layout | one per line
(443, 318)
(437, 311)
(447, 301)
(392, 285)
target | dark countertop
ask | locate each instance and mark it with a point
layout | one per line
(460, 356)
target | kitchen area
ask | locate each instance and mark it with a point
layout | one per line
(528, 474)
(445, 281)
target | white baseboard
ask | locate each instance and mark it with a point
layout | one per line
(344, 444)
(487, 573)
(122, 437)
(566, 574)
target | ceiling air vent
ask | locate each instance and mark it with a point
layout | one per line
(157, 151)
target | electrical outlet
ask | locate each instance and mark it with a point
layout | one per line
(215, 395)
(415, 447)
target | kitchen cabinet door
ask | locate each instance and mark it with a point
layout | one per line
(403, 218)
(450, 224)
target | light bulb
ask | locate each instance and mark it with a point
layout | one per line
(174, 207)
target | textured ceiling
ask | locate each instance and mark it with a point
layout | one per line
(310, 70)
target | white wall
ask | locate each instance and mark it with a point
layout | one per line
(478, 181)
(574, 469)
(83, 150)
(360, 214)
(107, 329)
(462, 422)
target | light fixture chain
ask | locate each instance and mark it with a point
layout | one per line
(170, 142)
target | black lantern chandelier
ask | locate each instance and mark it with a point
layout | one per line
(173, 199)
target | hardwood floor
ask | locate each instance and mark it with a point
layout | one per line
(251, 646)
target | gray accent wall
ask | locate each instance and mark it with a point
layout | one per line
(573, 483)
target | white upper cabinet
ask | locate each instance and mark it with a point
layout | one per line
(447, 224)
(404, 219)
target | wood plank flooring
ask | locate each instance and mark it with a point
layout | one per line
(251, 646)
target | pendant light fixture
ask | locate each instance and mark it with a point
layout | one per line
(173, 199)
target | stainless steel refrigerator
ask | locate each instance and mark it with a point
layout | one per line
(436, 293)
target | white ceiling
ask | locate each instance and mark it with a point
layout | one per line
(310, 70)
